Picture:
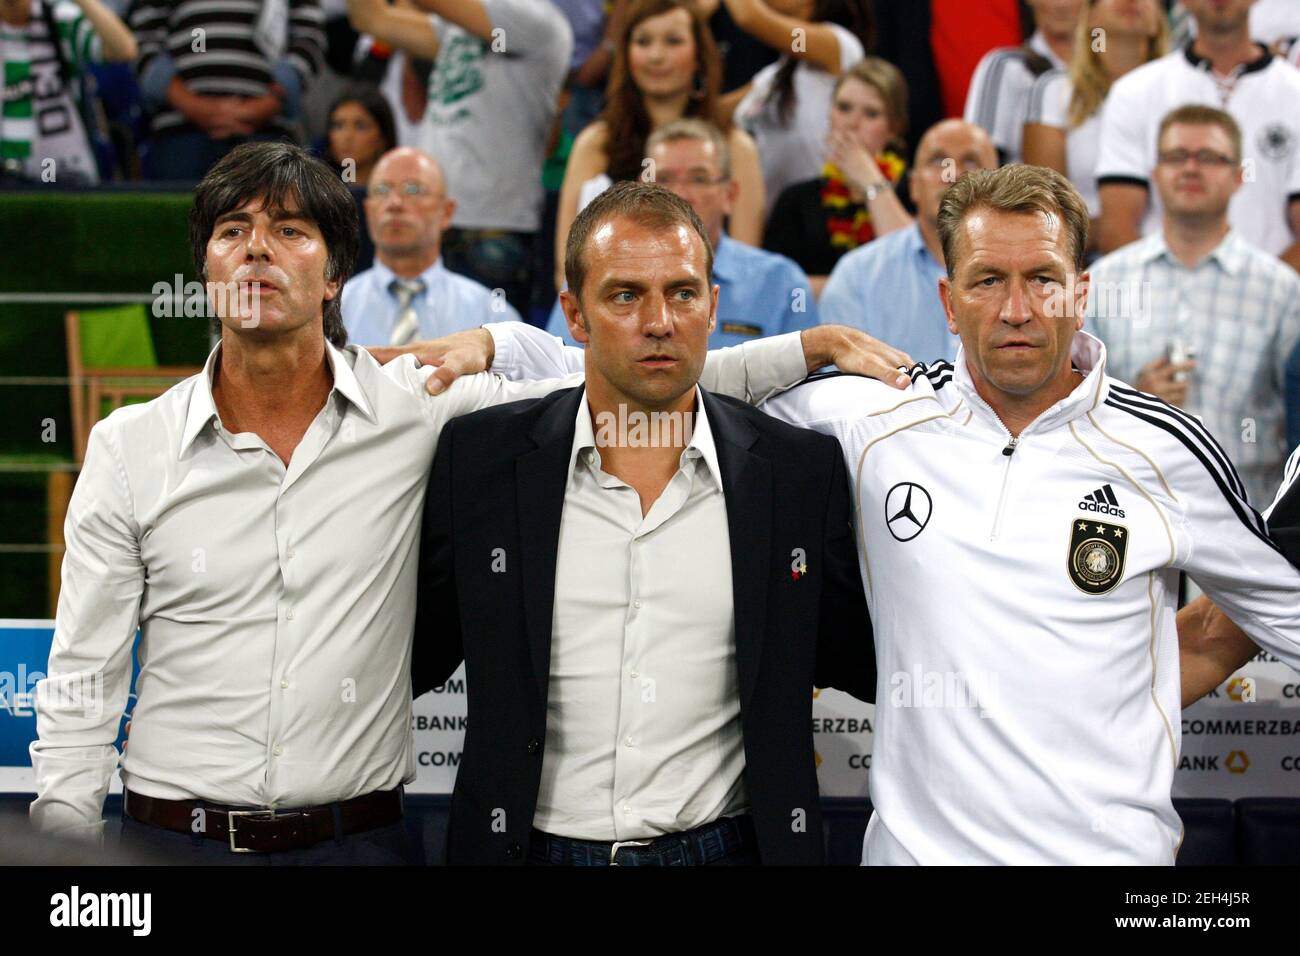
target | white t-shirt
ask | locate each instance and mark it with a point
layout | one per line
(491, 104)
(1265, 102)
(794, 151)
(1049, 104)
(998, 97)
(1272, 20)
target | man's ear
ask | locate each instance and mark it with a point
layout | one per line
(332, 287)
(448, 212)
(713, 308)
(945, 296)
(572, 310)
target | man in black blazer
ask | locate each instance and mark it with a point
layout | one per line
(641, 626)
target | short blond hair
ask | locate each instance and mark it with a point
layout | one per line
(1016, 188)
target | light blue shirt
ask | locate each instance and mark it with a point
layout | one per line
(889, 288)
(760, 293)
(449, 303)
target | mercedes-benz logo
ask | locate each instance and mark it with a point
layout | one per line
(907, 510)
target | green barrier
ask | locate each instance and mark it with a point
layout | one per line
(81, 245)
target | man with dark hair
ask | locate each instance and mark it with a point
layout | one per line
(1057, 540)
(258, 522)
(280, 175)
(759, 292)
(645, 582)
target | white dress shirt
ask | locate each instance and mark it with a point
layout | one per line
(643, 710)
(275, 604)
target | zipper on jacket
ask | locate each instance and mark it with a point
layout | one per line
(1009, 452)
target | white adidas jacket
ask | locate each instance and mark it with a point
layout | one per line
(1028, 705)
(1023, 599)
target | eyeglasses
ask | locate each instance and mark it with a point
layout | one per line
(1203, 157)
(382, 190)
(693, 180)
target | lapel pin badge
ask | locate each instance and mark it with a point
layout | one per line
(798, 564)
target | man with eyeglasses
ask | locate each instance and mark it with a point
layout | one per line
(1197, 315)
(1224, 67)
(889, 285)
(760, 293)
(409, 294)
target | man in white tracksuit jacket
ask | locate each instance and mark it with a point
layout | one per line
(1022, 522)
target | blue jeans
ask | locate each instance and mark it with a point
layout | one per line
(495, 258)
(392, 845)
(187, 154)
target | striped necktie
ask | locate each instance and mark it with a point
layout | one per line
(408, 322)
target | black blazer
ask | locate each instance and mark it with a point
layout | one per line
(486, 594)
(1284, 523)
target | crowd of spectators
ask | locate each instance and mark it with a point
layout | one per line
(814, 138)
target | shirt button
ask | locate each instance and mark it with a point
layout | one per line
(278, 750)
(284, 683)
(291, 554)
(628, 741)
(635, 675)
(288, 614)
(627, 809)
(636, 603)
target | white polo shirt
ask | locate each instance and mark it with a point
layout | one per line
(1263, 97)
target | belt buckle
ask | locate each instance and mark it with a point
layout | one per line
(230, 826)
(615, 847)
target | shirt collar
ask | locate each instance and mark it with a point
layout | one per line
(1088, 355)
(724, 259)
(1230, 254)
(1038, 43)
(1200, 63)
(203, 409)
(916, 244)
(701, 442)
(430, 276)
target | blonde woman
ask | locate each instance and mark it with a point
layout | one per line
(1064, 117)
(853, 201)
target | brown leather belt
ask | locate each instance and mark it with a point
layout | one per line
(263, 830)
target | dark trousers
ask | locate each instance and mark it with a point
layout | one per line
(187, 154)
(393, 845)
(747, 857)
(494, 258)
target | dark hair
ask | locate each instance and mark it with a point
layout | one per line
(644, 203)
(626, 121)
(368, 97)
(854, 16)
(280, 173)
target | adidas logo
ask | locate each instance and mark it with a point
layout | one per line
(1102, 501)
